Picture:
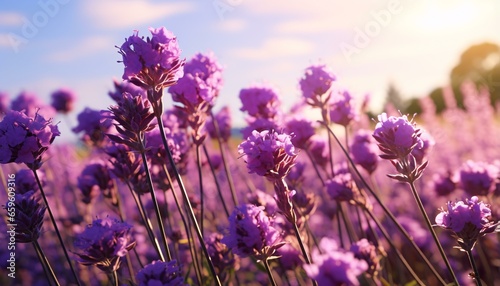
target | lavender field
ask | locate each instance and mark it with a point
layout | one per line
(161, 189)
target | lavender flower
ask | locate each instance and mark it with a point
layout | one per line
(24, 139)
(268, 154)
(420, 153)
(26, 182)
(4, 103)
(103, 243)
(478, 178)
(319, 150)
(258, 124)
(94, 177)
(125, 86)
(469, 220)
(444, 184)
(152, 62)
(63, 100)
(161, 274)
(366, 251)
(28, 216)
(316, 82)
(342, 108)
(335, 266)
(260, 101)
(93, 126)
(31, 105)
(342, 187)
(364, 151)
(221, 256)
(302, 130)
(251, 233)
(206, 67)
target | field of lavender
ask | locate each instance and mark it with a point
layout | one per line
(166, 195)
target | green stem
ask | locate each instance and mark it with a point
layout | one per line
(269, 273)
(202, 193)
(474, 267)
(155, 202)
(53, 220)
(217, 185)
(45, 263)
(434, 236)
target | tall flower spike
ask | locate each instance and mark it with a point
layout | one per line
(251, 233)
(28, 217)
(24, 139)
(103, 243)
(93, 126)
(469, 220)
(268, 154)
(63, 100)
(152, 62)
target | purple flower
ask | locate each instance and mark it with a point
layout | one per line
(342, 109)
(396, 136)
(341, 187)
(103, 243)
(478, 178)
(316, 82)
(364, 151)
(366, 251)
(206, 67)
(159, 273)
(31, 105)
(24, 139)
(94, 177)
(258, 124)
(28, 216)
(302, 130)
(63, 100)
(191, 91)
(223, 118)
(444, 184)
(4, 103)
(26, 182)
(269, 154)
(154, 61)
(93, 126)
(260, 101)
(469, 220)
(319, 150)
(125, 86)
(334, 266)
(420, 153)
(251, 233)
(221, 256)
(263, 199)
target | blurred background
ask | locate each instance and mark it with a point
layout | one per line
(393, 51)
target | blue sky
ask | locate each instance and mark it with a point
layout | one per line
(49, 44)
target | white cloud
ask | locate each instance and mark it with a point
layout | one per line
(233, 25)
(275, 48)
(11, 19)
(82, 49)
(5, 41)
(114, 14)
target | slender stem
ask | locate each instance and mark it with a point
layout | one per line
(53, 220)
(186, 200)
(202, 193)
(114, 276)
(123, 218)
(474, 267)
(434, 236)
(387, 211)
(224, 162)
(45, 263)
(217, 185)
(269, 273)
(155, 203)
(302, 248)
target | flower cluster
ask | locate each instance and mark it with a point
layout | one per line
(161, 273)
(478, 178)
(342, 109)
(63, 100)
(24, 139)
(28, 217)
(103, 243)
(269, 154)
(93, 179)
(93, 126)
(261, 102)
(316, 82)
(364, 151)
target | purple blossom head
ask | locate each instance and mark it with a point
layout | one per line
(364, 151)
(4, 103)
(30, 104)
(152, 62)
(290, 257)
(251, 233)
(342, 108)
(269, 154)
(63, 100)
(222, 258)
(159, 273)
(342, 187)
(93, 179)
(421, 152)
(396, 136)
(259, 124)
(260, 101)
(316, 82)
(478, 178)
(366, 251)
(444, 184)
(103, 243)
(179, 146)
(24, 139)
(26, 182)
(206, 67)
(469, 220)
(319, 150)
(223, 118)
(93, 126)
(263, 199)
(28, 216)
(192, 92)
(296, 177)
(125, 86)
(334, 266)
(302, 130)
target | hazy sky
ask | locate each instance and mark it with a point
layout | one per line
(49, 44)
